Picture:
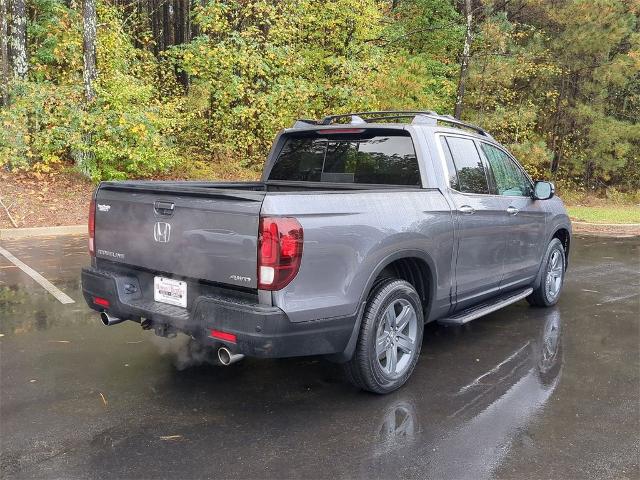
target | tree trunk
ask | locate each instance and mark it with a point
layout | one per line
(556, 139)
(18, 40)
(4, 55)
(89, 27)
(168, 24)
(464, 61)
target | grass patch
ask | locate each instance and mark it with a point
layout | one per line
(615, 214)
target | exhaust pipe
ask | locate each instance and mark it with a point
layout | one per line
(108, 320)
(227, 358)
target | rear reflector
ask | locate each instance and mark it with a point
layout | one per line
(103, 302)
(220, 335)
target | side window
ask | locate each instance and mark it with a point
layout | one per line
(472, 177)
(510, 181)
(453, 173)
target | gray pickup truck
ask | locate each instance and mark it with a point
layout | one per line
(363, 228)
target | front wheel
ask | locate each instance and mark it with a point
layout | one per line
(390, 338)
(554, 265)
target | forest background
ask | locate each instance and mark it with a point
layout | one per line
(116, 89)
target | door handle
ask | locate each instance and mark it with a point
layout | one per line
(512, 210)
(466, 210)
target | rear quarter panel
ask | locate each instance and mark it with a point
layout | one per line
(352, 239)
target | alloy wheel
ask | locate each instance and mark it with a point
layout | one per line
(396, 338)
(555, 271)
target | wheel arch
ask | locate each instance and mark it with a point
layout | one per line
(410, 265)
(563, 234)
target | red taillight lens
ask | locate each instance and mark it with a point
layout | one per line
(92, 228)
(279, 252)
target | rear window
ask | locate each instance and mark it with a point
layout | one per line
(472, 176)
(374, 157)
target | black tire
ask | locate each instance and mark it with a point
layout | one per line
(365, 370)
(542, 296)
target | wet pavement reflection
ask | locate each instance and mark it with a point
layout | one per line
(521, 393)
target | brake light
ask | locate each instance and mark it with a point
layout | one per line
(336, 131)
(92, 228)
(279, 252)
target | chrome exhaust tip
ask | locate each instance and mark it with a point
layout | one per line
(108, 320)
(227, 358)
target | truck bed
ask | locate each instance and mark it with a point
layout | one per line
(201, 230)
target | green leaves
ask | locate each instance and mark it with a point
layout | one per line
(259, 65)
(559, 83)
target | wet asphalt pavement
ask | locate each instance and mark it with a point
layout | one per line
(521, 393)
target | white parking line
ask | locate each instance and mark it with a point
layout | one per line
(46, 284)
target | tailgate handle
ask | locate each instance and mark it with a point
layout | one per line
(164, 208)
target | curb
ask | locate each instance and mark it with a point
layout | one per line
(15, 233)
(588, 224)
(607, 229)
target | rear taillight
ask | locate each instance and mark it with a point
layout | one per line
(279, 252)
(92, 228)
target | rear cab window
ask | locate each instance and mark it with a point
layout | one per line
(360, 156)
(467, 171)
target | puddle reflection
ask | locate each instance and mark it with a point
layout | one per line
(481, 421)
(25, 309)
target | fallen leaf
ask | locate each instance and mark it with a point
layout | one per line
(170, 437)
(104, 400)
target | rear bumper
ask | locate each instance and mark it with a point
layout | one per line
(261, 331)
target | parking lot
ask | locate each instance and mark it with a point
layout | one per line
(521, 393)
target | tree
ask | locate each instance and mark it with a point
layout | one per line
(464, 60)
(18, 40)
(89, 26)
(4, 55)
(420, 42)
(558, 82)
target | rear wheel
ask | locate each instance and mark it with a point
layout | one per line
(390, 338)
(548, 292)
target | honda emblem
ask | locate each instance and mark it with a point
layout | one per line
(162, 232)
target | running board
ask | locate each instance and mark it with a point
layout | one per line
(485, 308)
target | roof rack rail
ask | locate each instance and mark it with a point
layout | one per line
(393, 114)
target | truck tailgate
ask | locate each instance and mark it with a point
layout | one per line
(200, 232)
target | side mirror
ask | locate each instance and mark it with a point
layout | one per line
(543, 190)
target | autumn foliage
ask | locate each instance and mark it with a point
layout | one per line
(557, 82)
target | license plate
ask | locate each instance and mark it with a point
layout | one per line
(168, 290)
